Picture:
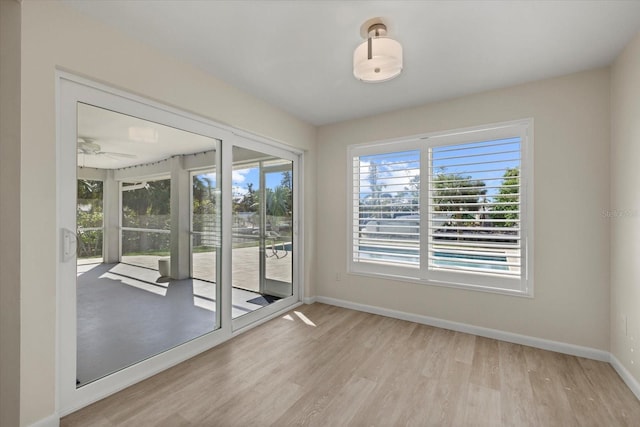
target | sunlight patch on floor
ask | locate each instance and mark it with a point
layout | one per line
(204, 303)
(155, 289)
(304, 318)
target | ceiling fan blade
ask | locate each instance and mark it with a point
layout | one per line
(121, 155)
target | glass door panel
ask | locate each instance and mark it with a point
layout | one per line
(278, 241)
(138, 298)
(262, 260)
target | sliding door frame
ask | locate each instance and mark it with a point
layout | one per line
(241, 322)
(70, 90)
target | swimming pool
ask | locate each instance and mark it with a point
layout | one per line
(412, 256)
(458, 263)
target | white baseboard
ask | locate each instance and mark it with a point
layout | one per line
(560, 347)
(52, 420)
(626, 376)
(309, 300)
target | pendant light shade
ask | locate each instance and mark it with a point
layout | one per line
(378, 59)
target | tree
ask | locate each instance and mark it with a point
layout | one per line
(285, 191)
(508, 194)
(89, 215)
(377, 198)
(457, 195)
(202, 191)
(149, 208)
(411, 196)
(278, 201)
(249, 200)
(204, 212)
(286, 180)
(89, 190)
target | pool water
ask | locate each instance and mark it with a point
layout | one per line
(456, 260)
(458, 263)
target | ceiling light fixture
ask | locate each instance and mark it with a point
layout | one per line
(379, 59)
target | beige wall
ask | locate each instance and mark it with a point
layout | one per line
(571, 133)
(625, 208)
(9, 213)
(56, 36)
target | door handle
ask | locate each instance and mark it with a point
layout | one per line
(69, 244)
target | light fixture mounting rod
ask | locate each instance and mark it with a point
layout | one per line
(377, 30)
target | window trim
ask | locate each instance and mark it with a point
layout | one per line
(519, 286)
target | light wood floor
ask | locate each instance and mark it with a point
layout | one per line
(327, 366)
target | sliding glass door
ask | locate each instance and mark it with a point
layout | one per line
(263, 223)
(142, 299)
(179, 233)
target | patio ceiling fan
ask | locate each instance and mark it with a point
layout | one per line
(88, 146)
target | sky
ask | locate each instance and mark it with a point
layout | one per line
(486, 161)
(242, 177)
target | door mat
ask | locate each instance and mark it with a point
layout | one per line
(263, 300)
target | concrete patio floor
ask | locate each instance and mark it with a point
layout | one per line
(245, 266)
(127, 313)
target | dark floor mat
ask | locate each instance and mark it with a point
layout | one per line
(263, 300)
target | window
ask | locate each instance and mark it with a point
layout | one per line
(451, 208)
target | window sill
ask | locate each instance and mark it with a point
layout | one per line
(445, 284)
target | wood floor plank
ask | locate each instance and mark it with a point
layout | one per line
(516, 393)
(481, 406)
(396, 382)
(464, 347)
(391, 341)
(582, 397)
(415, 410)
(173, 420)
(552, 404)
(439, 351)
(620, 404)
(324, 380)
(342, 408)
(266, 406)
(323, 365)
(448, 394)
(486, 364)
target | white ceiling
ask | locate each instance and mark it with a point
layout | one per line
(297, 55)
(110, 140)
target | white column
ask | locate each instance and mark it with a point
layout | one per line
(111, 218)
(180, 221)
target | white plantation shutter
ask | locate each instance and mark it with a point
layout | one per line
(474, 207)
(386, 208)
(452, 208)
